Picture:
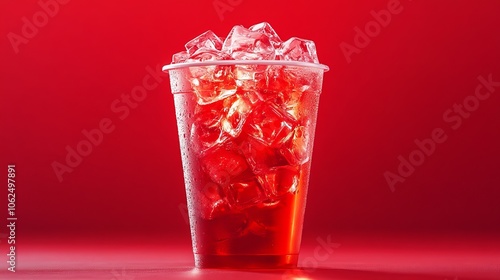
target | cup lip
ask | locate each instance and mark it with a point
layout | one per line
(168, 67)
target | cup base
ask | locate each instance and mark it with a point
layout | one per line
(245, 261)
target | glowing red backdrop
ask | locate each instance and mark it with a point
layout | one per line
(407, 135)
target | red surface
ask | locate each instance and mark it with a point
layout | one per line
(342, 256)
(76, 72)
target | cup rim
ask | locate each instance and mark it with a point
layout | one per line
(168, 67)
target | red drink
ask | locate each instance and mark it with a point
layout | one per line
(246, 130)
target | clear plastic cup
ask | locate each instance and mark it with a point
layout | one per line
(246, 131)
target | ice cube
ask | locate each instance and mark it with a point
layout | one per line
(291, 103)
(209, 72)
(301, 79)
(250, 77)
(297, 150)
(290, 98)
(281, 180)
(256, 228)
(287, 86)
(206, 54)
(244, 193)
(204, 137)
(212, 191)
(233, 121)
(276, 82)
(209, 114)
(252, 97)
(207, 40)
(261, 157)
(249, 72)
(297, 49)
(211, 203)
(295, 109)
(213, 83)
(270, 125)
(244, 44)
(243, 74)
(180, 57)
(222, 165)
(206, 131)
(266, 29)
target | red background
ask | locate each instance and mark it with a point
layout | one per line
(395, 90)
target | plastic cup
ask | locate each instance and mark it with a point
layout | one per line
(246, 131)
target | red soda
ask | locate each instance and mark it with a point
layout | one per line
(246, 133)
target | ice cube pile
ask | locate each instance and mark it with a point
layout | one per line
(251, 123)
(259, 42)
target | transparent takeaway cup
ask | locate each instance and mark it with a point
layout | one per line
(246, 131)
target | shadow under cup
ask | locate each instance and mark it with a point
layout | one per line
(246, 131)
